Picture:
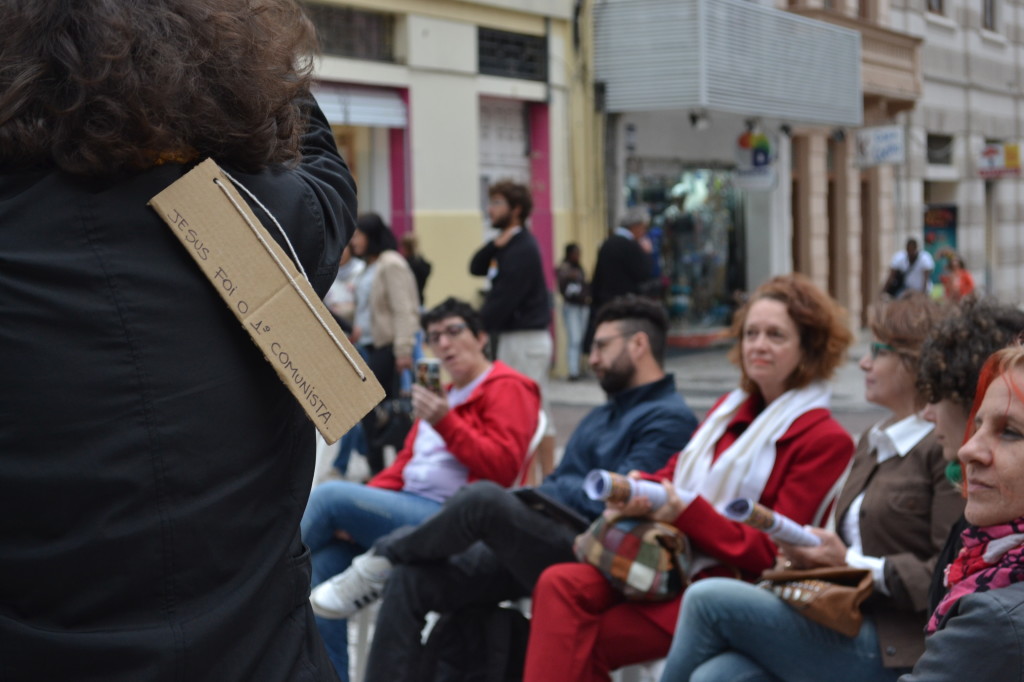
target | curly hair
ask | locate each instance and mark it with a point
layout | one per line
(516, 195)
(824, 334)
(952, 355)
(104, 86)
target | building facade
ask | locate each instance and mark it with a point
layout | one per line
(735, 125)
(962, 176)
(433, 101)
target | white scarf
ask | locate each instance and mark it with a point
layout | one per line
(743, 469)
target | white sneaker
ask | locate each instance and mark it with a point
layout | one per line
(356, 587)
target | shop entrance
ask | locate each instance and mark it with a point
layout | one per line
(698, 238)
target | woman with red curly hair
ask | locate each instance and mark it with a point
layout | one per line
(154, 469)
(772, 439)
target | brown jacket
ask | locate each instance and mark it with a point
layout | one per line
(907, 512)
(394, 304)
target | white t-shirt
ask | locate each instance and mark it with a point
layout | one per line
(914, 275)
(433, 472)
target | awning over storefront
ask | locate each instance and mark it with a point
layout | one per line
(360, 106)
(726, 55)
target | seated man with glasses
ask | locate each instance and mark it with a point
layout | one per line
(479, 429)
(486, 545)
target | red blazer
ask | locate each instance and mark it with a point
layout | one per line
(489, 433)
(809, 459)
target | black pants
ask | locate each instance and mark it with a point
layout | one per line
(381, 360)
(483, 547)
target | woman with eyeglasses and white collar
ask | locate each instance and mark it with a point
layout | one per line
(892, 517)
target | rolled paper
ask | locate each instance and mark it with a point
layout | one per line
(608, 486)
(778, 526)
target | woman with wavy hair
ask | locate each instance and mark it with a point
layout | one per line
(772, 439)
(154, 469)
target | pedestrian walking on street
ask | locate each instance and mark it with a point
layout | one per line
(957, 281)
(572, 284)
(910, 270)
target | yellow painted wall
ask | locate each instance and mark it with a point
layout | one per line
(448, 239)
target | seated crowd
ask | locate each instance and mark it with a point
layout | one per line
(444, 529)
(479, 430)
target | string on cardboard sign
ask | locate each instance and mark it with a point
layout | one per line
(280, 264)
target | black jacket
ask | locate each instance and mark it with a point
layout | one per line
(518, 299)
(153, 468)
(622, 268)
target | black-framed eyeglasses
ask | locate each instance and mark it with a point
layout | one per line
(879, 348)
(602, 343)
(450, 330)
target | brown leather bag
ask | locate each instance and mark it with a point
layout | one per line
(829, 596)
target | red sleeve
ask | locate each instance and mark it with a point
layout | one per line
(391, 477)
(807, 465)
(491, 435)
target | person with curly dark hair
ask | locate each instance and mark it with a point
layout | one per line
(951, 361)
(154, 468)
(104, 87)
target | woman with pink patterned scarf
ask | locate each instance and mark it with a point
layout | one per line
(977, 631)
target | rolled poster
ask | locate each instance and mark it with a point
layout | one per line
(778, 526)
(608, 486)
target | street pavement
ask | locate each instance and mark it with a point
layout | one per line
(703, 376)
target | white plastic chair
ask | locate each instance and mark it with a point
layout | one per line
(530, 460)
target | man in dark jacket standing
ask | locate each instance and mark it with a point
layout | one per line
(623, 266)
(517, 310)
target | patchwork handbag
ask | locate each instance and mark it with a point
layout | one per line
(829, 596)
(644, 560)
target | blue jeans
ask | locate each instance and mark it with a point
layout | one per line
(354, 439)
(575, 318)
(366, 514)
(733, 631)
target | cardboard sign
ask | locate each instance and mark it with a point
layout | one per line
(274, 302)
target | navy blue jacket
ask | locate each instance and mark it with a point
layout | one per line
(640, 428)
